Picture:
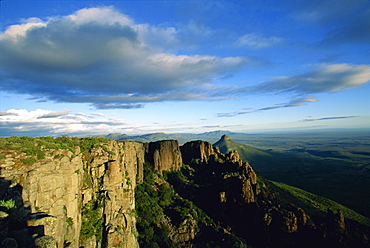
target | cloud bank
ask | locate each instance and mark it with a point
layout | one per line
(255, 41)
(45, 122)
(330, 118)
(323, 79)
(293, 103)
(101, 56)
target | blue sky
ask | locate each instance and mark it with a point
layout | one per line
(80, 67)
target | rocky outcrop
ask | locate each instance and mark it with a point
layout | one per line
(239, 181)
(116, 171)
(46, 193)
(75, 198)
(80, 198)
(285, 220)
(164, 155)
(198, 151)
(186, 231)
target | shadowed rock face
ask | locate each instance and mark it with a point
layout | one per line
(241, 187)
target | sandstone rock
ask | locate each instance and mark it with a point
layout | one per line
(290, 222)
(187, 231)
(3, 214)
(90, 242)
(248, 192)
(200, 151)
(41, 220)
(165, 155)
(223, 196)
(56, 188)
(45, 242)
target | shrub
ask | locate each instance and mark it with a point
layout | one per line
(9, 204)
(92, 221)
(29, 160)
(69, 221)
(150, 200)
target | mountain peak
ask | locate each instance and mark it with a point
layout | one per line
(225, 137)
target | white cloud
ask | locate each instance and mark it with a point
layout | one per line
(56, 114)
(330, 118)
(101, 56)
(43, 122)
(324, 79)
(97, 114)
(293, 103)
(256, 41)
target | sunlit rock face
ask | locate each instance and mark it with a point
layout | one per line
(59, 195)
(165, 155)
(199, 151)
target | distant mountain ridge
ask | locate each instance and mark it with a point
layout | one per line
(180, 137)
(246, 153)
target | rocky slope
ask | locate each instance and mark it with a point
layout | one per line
(69, 192)
(78, 198)
(257, 211)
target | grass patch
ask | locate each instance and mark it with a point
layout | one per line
(34, 148)
(29, 160)
(322, 203)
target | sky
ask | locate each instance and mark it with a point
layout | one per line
(136, 67)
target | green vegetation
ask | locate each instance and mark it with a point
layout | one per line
(69, 221)
(162, 211)
(92, 219)
(29, 160)
(34, 148)
(150, 201)
(316, 163)
(9, 204)
(321, 203)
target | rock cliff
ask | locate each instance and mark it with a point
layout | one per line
(198, 151)
(235, 174)
(76, 198)
(164, 155)
(83, 195)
